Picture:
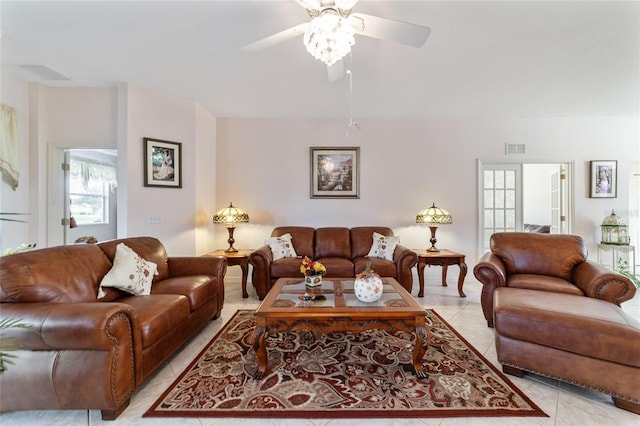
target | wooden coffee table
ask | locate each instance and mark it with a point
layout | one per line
(290, 306)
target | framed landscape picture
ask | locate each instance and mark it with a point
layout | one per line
(604, 179)
(162, 163)
(335, 172)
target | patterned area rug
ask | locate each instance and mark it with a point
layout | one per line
(341, 375)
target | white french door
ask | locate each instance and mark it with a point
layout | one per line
(501, 194)
(500, 200)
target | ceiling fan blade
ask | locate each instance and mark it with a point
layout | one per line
(389, 29)
(276, 38)
(336, 71)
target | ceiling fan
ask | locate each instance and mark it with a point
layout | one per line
(330, 33)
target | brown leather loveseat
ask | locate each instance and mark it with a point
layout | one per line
(342, 250)
(86, 352)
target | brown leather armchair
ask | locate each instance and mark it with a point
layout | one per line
(546, 262)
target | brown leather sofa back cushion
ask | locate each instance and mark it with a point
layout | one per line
(301, 238)
(43, 275)
(333, 242)
(362, 238)
(531, 253)
(149, 248)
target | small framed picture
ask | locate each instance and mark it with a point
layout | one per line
(162, 163)
(604, 179)
(335, 172)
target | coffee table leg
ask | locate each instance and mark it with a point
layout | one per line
(259, 345)
(422, 342)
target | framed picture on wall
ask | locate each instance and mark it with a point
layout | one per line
(335, 172)
(162, 163)
(604, 179)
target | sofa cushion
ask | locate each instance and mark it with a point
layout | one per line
(383, 267)
(158, 314)
(286, 268)
(533, 253)
(302, 238)
(581, 325)
(130, 273)
(362, 239)
(332, 242)
(281, 247)
(197, 288)
(383, 247)
(338, 267)
(42, 275)
(543, 283)
(149, 248)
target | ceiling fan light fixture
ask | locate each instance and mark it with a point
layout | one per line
(329, 37)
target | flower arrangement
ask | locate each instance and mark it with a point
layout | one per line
(309, 267)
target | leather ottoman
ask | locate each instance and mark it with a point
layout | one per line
(580, 340)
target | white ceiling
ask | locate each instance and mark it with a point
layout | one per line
(483, 58)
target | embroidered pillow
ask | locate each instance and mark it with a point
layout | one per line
(281, 247)
(129, 273)
(383, 247)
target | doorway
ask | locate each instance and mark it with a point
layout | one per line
(83, 190)
(512, 195)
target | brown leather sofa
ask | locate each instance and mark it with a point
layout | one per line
(90, 353)
(342, 250)
(546, 262)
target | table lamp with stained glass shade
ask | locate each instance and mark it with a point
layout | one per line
(230, 216)
(434, 217)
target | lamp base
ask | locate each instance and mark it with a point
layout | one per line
(231, 240)
(433, 240)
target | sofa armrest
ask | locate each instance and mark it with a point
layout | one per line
(261, 260)
(107, 329)
(198, 265)
(405, 259)
(67, 326)
(491, 272)
(600, 282)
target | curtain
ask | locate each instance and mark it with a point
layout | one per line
(9, 149)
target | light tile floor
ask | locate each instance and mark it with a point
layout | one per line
(565, 404)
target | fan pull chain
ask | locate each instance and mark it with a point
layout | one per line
(352, 122)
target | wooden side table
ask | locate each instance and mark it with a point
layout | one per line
(442, 258)
(239, 258)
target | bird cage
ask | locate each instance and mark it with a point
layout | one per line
(614, 231)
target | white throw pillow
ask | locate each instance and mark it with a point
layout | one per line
(281, 247)
(383, 247)
(129, 273)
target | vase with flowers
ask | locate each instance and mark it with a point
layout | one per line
(312, 271)
(368, 286)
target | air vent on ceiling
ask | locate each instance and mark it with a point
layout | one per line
(514, 148)
(45, 73)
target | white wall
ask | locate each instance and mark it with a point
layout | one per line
(16, 94)
(205, 178)
(52, 118)
(176, 120)
(263, 167)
